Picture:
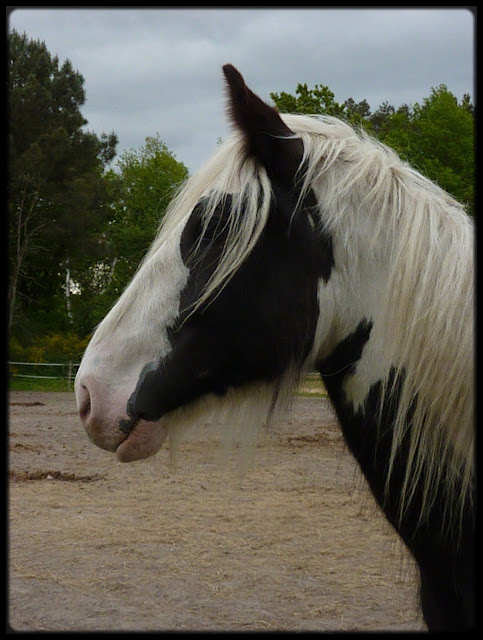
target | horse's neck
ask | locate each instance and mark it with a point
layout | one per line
(351, 323)
(354, 366)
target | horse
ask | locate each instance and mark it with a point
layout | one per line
(304, 244)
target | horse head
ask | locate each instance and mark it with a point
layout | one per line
(226, 298)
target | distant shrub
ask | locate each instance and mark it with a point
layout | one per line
(54, 347)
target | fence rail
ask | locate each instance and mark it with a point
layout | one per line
(68, 370)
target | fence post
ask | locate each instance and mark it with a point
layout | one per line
(69, 374)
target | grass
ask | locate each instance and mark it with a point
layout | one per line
(311, 386)
(37, 384)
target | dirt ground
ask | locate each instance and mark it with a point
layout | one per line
(290, 542)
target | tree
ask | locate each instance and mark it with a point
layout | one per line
(56, 193)
(321, 100)
(445, 142)
(149, 179)
(307, 101)
(437, 136)
(139, 195)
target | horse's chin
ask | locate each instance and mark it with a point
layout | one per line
(145, 440)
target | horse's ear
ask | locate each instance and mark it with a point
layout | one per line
(267, 137)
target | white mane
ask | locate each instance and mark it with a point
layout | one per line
(427, 308)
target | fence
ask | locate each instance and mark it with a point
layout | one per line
(67, 370)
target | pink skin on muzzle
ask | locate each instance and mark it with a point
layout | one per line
(98, 405)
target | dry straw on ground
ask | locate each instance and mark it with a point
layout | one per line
(291, 542)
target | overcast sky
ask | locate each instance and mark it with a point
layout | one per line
(151, 71)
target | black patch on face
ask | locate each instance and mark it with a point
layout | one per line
(261, 323)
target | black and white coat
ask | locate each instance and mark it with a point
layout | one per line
(304, 245)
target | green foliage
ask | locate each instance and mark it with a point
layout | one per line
(54, 347)
(75, 226)
(56, 196)
(321, 100)
(445, 133)
(437, 136)
(307, 101)
(139, 195)
(147, 183)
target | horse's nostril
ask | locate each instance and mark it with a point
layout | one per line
(84, 403)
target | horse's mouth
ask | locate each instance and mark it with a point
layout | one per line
(144, 440)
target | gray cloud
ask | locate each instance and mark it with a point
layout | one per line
(159, 70)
